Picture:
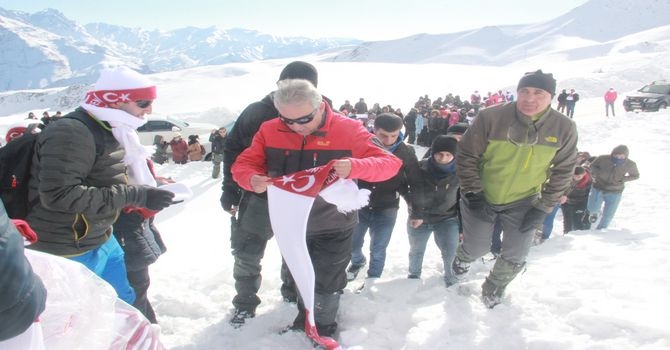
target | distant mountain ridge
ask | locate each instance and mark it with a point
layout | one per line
(46, 49)
(596, 23)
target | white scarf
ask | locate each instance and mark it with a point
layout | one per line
(124, 129)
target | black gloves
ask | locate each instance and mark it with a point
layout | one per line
(532, 220)
(230, 196)
(475, 200)
(157, 199)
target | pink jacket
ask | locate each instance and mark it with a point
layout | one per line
(610, 96)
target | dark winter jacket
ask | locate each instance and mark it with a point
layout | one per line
(578, 193)
(277, 150)
(22, 294)
(410, 121)
(609, 177)
(217, 142)
(386, 194)
(80, 194)
(139, 238)
(562, 97)
(361, 107)
(435, 199)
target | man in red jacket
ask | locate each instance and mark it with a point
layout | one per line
(308, 134)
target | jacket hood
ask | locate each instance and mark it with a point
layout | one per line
(621, 149)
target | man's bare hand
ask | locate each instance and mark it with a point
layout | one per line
(260, 183)
(342, 168)
(414, 223)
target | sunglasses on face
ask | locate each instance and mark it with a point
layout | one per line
(300, 121)
(143, 103)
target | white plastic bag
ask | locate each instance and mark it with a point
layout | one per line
(83, 311)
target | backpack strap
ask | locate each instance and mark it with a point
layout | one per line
(95, 127)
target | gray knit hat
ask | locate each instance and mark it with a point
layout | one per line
(537, 79)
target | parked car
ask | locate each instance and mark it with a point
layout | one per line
(651, 97)
(167, 126)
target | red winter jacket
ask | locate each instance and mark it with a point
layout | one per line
(610, 96)
(277, 150)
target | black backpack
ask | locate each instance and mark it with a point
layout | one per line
(16, 159)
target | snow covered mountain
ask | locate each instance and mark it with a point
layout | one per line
(590, 30)
(46, 49)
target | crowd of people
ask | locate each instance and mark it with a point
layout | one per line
(496, 172)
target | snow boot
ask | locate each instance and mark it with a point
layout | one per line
(240, 317)
(353, 270)
(501, 275)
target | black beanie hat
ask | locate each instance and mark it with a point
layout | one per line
(537, 79)
(444, 143)
(458, 128)
(300, 70)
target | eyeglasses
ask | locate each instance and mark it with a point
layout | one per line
(300, 121)
(143, 103)
(520, 137)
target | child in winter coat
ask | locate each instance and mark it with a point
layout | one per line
(574, 209)
(434, 208)
(195, 150)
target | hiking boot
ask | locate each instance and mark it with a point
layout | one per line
(353, 270)
(491, 294)
(240, 317)
(460, 267)
(593, 218)
(413, 276)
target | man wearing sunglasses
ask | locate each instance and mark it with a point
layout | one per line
(306, 135)
(89, 165)
(514, 163)
(251, 229)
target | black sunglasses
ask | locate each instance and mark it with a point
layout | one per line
(300, 121)
(143, 103)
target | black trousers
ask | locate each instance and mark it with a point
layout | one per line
(140, 281)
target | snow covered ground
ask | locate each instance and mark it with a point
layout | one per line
(584, 290)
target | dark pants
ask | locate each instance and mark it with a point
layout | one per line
(496, 239)
(411, 134)
(140, 281)
(575, 217)
(248, 240)
(330, 254)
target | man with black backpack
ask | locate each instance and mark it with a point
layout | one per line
(89, 165)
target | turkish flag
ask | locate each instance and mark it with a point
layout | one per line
(290, 200)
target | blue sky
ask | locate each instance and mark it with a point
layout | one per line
(362, 19)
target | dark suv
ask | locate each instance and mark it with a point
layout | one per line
(651, 97)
